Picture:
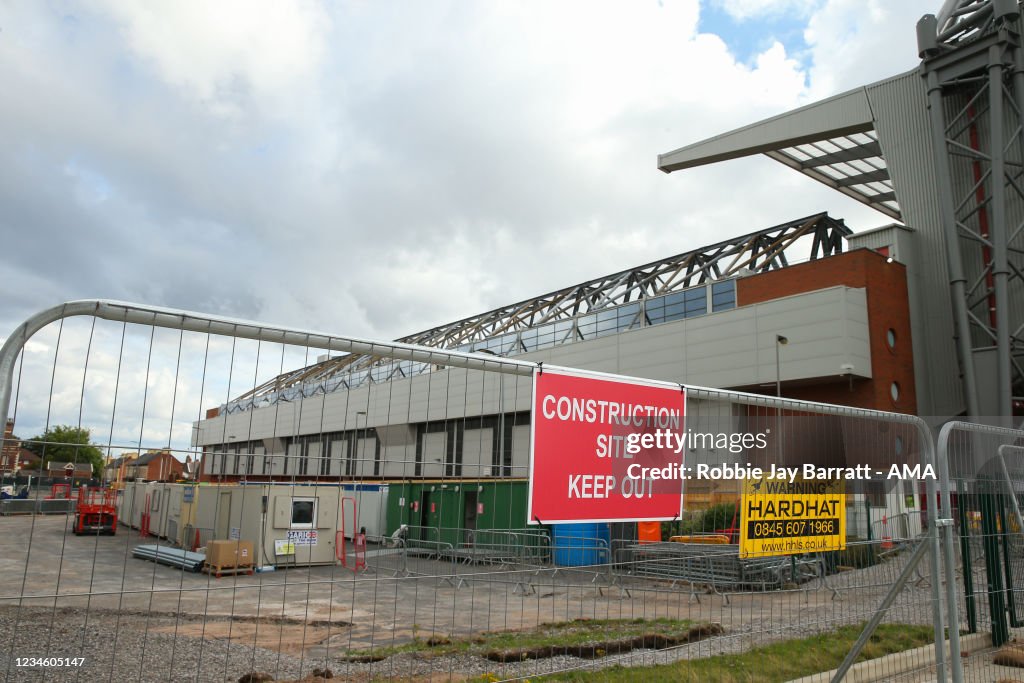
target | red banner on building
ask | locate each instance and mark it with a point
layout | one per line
(605, 449)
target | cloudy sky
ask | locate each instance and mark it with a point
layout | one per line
(378, 168)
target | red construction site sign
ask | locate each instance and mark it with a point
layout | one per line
(605, 449)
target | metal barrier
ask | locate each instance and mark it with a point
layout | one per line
(436, 442)
(490, 546)
(983, 471)
(37, 506)
(716, 566)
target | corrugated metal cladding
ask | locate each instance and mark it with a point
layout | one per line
(963, 171)
(901, 122)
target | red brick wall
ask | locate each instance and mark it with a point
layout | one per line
(10, 448)
(888, 308)
(164, 467)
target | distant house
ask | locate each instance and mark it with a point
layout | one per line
(27, 460)
(10, 452)
(154, 466)
(116, 470)
(76, 470)
(191, 471)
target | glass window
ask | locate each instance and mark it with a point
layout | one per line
(696, 301)
(628, 315)
(304, 513)
(654, 311)
(723, 295)
(411, 368)
(380, 373)
(607, 323)
(502, 345)
(665, 309)
(509, 342)
(675, 306)
(545, 336)
(528, 339)
(563, 331)
(587, 326)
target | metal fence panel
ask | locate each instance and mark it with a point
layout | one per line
(412, 464)
(986, 479)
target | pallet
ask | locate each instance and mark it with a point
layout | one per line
(218, 570)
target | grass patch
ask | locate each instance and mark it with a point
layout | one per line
(772, 663)
(596, 634)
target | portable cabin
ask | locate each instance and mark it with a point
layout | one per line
(133, 504)
(159, 506)
(370, 502)
(209, 522)
(288, 525)
(456, 513)
(170, 515)
(124, 503)
(182, 516)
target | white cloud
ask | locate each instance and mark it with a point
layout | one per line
(223, 52)
(856, 42)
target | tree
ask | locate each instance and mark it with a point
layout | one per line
(64, 443)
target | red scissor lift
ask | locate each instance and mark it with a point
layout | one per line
(97, 511)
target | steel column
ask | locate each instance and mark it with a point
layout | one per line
(998, 232)
(947, 212)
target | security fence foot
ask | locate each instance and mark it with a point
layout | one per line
(454, 582)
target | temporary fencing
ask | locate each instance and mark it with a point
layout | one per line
(300, 441)
(985, 466)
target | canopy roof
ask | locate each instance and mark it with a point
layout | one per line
(832, 141)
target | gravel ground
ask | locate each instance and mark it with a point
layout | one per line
(169, 648)
(163, 646)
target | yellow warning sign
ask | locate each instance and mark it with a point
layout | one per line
(782, 517)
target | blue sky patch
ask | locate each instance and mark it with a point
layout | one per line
(748, 38)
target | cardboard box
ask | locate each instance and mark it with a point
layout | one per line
(229, 554)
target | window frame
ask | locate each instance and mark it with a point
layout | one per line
(292, 524)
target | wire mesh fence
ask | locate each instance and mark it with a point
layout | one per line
(986, 471)
(275, 513)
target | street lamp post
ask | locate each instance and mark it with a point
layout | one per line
(356, 466)
(779, 342)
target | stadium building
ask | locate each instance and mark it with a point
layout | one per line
(739, 314)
